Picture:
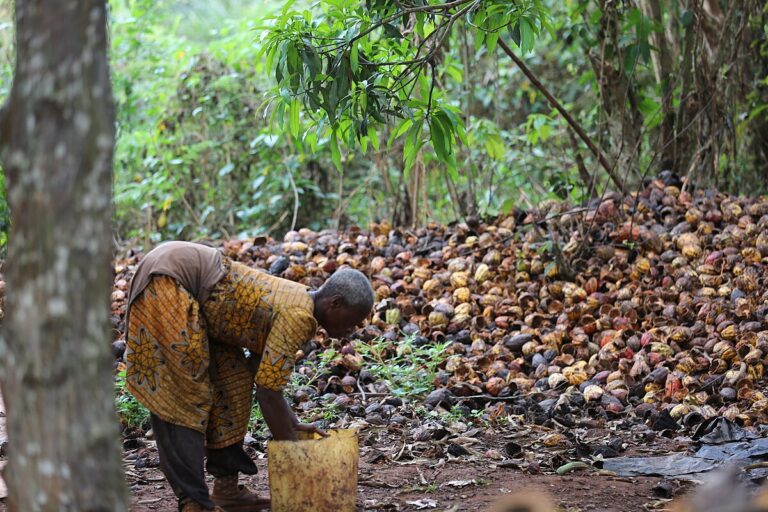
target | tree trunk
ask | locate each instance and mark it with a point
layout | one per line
(617, 95)
(664, 72)
(56, 142)
(685, 141)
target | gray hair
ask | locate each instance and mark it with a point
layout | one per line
(353, 286)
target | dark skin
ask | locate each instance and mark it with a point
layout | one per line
(339, 320)
(281, 420)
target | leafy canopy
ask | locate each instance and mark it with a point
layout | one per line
(354, 67)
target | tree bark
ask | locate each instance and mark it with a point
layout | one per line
(56, 144)
(685, 143)
(617, 95)
(663, 70)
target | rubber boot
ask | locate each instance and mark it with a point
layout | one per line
(187, 505)
(233, 497)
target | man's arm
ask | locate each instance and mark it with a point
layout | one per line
(280, 418)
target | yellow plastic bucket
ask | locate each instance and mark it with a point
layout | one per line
(314, 474)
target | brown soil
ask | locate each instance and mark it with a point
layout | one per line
(444, 485)
(466, 483)
(389, 482)
(390, 486)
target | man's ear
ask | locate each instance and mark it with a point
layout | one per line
(337, 301)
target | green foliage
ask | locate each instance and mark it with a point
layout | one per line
(408, 370)
(326, 414)
(130, 412)
(258, 426)
(195, 157)
(234, 117)
(6, 78)
(355, 68)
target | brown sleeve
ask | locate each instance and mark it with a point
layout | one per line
(291, 328)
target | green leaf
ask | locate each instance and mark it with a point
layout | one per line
(447, 128)
(455, 72)
(630, 58)
(651, 111)
(635, 17)
(287, 7)
(491, 38)
(403, 127)
(757, 111)
(439, 139)
(292, 61)
(494, 146)
(516, 35)
(310, 138)
(645, 51)
(295, 123)
(595, 17)
(526, 35)
(309, 56)
(458, 125)
(452, 171)
(354, 59)
(374, 137)
(413, 144)
(420, 24)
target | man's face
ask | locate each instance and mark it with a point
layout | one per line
(339, 320)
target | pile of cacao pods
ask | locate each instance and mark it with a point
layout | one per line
(654, 300)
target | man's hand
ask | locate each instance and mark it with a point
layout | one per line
(281, 420)
(311, 428)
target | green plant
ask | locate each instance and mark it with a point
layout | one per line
(316, 367)
(362, 73)
(329, 412)
(257, 424)
(357, 64)
(423, 488)
(408, 370)
(460, 413)
(130, 412)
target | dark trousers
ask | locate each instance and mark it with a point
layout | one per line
(182, 452)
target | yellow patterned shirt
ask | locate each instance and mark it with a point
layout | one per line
(270, 316)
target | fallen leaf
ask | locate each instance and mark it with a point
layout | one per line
(3, 488)
(423, 503)
(460, 483)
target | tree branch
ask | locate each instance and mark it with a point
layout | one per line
(588, 180)
(404, 12)
(571, 121)
(295, 198)
(443, 30)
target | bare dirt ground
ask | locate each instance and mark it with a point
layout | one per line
(391, 480)
(399, 487)
(468, 482)
(390, 486)
(465, 483)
